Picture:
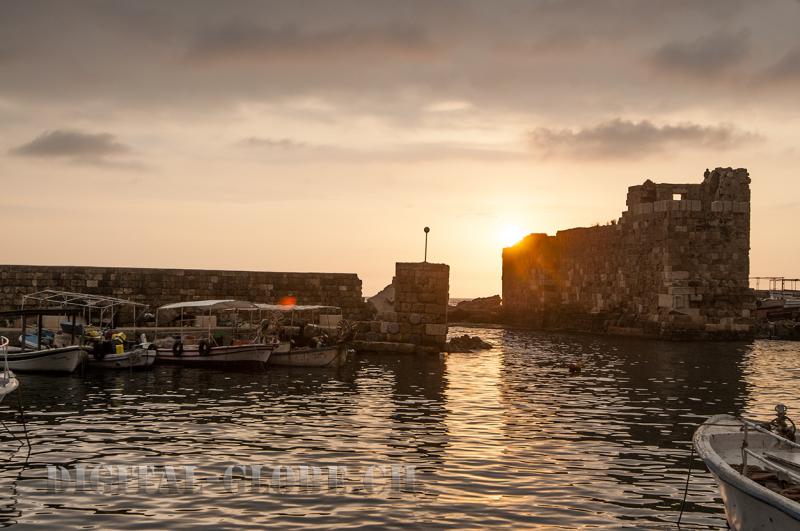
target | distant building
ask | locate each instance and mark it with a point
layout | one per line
(675, 265)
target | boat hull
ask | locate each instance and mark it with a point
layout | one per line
(748, 505)
(314, 357)
(139, 358)
(65, 359)
(745, 512)
(256, 355)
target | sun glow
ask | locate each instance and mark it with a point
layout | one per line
(510, 234)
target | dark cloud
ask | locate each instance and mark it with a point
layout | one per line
(704, 56)
(77, 146)
(628, 139)
(787, 68)
(380, 58)
(245, 43)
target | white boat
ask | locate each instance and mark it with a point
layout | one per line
(116, 352)
(64, 359)
(8, 382)
(758, 471)
(106, 347)
(250, 354)
(138, 357)
(332, 356)
(310, 336)
(41, 358)
(193, 345)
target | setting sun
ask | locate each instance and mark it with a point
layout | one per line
(508, 235)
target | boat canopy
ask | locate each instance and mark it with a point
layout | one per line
(82, 300)
(294, 307)
(219, 304)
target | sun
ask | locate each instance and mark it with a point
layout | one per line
(509, 234)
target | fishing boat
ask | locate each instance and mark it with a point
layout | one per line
(8, 382)
(115, 351)
(757, 468)
(310, 336)
(325, 356)
(198, 340)
(40, 357)
(106, 346)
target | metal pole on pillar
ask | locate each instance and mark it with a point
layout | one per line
(427, 230)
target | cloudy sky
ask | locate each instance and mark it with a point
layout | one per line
(322, 136)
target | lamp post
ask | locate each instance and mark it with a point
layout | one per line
(427, 230)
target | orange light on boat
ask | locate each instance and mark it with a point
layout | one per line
(289, 300)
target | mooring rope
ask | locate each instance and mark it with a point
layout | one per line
(22, 419)
(686, 487)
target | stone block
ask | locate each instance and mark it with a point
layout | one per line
(436, 329)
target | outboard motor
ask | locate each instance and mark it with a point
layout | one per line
(782, 425)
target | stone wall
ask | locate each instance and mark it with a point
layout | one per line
(419, 314)
(675, 265)
(161, 286)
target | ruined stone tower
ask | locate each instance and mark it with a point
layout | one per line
(675, 265)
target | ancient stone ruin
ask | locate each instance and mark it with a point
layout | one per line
(675, 265)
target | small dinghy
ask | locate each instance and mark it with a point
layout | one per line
(757, 468)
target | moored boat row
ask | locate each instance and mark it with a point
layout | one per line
(212, 333)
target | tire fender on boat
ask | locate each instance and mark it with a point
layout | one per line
(177, 348)
(98, 350)
(204, 348)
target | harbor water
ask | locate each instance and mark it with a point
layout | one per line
(500, 438)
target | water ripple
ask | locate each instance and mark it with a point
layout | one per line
(501, 438)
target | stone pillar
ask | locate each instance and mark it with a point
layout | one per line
(422, 293)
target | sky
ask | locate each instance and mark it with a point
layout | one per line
(324, 135)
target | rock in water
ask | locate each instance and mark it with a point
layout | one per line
(467, 343)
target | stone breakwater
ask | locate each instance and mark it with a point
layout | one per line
(156, 287)
(675, 265)
(418, 322)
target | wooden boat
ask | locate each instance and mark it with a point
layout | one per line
(40, 358)
(8, 382)
(193, 345)
(331, 356)
(63, 359)
(118, 353)
(757, 470)
(106, 348)
(310, 336)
